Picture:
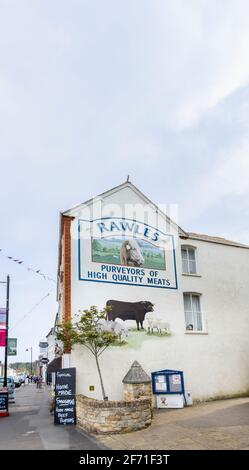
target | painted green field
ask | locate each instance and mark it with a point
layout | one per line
(136, 338)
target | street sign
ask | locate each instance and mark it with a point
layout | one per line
(12, 346)
(65, 399)
(44, 360)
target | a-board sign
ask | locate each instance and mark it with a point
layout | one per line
(65, 400)
(3, 400)
(65, 382)
(65, 410)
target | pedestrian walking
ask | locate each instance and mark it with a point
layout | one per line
(39, 382)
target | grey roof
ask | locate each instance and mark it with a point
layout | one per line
(214, 239)
(136, 375)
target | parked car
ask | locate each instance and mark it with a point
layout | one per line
(17, 381)
(22, 378)
(11, 387)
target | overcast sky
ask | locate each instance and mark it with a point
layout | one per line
(93, 90)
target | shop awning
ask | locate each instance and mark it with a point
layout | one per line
(54, 365)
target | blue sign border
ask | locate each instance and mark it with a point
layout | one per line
(125, 283)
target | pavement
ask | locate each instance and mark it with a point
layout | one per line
(30, 425)
(216, 425)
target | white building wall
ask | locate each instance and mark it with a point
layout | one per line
(214, 363)
(51, 339)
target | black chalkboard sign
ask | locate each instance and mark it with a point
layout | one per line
(65, 399)
(65, 382)
(65, 410)
(3, 401)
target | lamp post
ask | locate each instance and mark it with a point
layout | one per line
(31, 360)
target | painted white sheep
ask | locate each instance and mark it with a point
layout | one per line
(155, 322)
(106, 325)
(118, 327)
(121, 329)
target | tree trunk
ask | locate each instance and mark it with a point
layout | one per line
(100, 377)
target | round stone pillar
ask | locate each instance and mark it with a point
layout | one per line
(137, 384)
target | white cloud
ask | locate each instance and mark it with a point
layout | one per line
(204, 55)
(228, 177)
(78, 71)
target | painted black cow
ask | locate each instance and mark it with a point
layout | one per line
(128, 310)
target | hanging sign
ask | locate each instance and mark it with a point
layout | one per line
(65, 398)
(2, 338)
(124, 251)
(12, 346)
(3, 317)
(43, 346)
(44, 360)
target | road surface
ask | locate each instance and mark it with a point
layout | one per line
(30, 425)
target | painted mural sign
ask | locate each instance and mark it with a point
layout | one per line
(124, 251)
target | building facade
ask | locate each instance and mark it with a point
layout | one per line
(121, 247)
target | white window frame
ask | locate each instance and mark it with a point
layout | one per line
(194, 249)
(192, 312)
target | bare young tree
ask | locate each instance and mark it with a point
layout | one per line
(90, 332)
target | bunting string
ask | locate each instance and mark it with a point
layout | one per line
(32, 309)
(20, 262)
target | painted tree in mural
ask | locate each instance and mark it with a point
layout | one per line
(92, 331)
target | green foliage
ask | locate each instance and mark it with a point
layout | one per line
(22, 366)
(67, 333)
(87, 331)
(25, 367)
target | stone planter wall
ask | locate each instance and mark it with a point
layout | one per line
(110, 417)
